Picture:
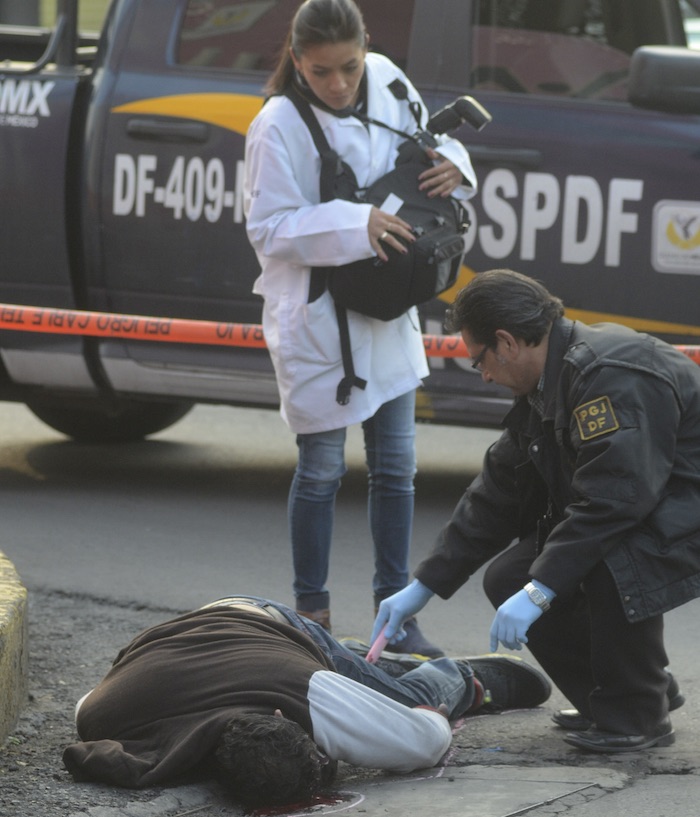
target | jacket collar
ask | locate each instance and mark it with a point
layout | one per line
(520, 415)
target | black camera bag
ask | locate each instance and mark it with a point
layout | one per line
(385, 290)
(378, 289)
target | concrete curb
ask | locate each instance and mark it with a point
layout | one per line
(13, 647)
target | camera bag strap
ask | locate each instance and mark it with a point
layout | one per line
(331, 168)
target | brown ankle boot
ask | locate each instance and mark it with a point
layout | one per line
(322, 617)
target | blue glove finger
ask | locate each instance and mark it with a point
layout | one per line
(381, 619)
(508, 635)
(496, 631)
(398, 636)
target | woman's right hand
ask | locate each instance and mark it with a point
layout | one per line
(384, 228)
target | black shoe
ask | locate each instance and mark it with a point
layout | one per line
(508, 682)
(414, 643)
(574, 721)
(594, 740)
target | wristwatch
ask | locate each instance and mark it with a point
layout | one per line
(537, 596)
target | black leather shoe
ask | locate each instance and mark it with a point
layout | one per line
(574, 721)
(595, 740)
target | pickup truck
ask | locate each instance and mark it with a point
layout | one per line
(122, 150)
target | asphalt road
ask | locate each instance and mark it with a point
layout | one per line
(199, 511)
(109, 540)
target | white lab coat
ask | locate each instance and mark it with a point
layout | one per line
(292, 231)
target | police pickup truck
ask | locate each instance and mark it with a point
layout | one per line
(120, 164)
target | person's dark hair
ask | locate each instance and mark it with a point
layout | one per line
(267, 760)
(503, 299)
(316, 22)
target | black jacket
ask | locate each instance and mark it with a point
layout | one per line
(610, 471)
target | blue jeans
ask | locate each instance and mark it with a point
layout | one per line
(431, 683)
(390, 454)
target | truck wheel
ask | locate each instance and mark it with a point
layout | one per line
(94, 421)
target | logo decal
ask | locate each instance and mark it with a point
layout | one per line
(676, 237)
(596, 418)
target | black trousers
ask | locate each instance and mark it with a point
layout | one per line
(612, 671)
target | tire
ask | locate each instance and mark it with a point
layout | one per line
(96, 421)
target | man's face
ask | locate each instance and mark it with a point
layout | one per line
(508, 362)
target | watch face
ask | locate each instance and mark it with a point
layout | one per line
(537, 596)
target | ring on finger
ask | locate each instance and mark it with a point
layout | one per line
(383, 235)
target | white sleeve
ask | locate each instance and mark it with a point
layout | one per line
(457, 153)
(361, 726)
(284, 218)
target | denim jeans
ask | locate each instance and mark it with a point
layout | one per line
(431, 683)
(389, 438)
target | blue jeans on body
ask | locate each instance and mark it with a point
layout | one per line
(389, 438)
(431, 683)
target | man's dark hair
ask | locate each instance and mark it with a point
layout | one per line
(267, 760)
(503, 299)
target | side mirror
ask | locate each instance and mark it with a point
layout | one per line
(665, 78)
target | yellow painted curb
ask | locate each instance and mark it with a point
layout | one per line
(13, 647)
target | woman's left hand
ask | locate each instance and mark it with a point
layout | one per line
(441, 179)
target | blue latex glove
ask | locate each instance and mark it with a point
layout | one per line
(397, 608)
(514, 618)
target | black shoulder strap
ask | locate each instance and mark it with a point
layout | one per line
(329, 159)
(317, 284)
(305, 112)
(350, 379)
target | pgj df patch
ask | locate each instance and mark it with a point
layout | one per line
(596, 418)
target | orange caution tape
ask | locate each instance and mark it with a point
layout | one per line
(693, 352)
(444, 346)
(129, 327)
(182, 330)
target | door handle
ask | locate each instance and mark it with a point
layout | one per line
(163, 130)
(513, 157)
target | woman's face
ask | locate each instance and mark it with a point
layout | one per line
(333, 72)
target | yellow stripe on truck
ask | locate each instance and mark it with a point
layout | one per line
(233, 112)
(649, 325)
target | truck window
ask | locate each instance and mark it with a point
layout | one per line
(566, 48)
(91, 14)
(691, 23)
(240, 35)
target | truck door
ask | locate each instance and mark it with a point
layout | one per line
(171, 239)
(168, 160)
(579, 188)
(40, 102)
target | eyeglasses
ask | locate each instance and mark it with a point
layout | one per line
(478, 361)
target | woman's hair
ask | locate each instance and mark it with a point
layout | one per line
(316, 22)
(503, 299)
(267, 760)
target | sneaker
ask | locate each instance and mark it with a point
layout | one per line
(508, 682)
(572, 720)
(414, 642)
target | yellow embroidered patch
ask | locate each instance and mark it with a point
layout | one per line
(595, 418)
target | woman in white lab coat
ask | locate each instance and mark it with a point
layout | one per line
(326, 58)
